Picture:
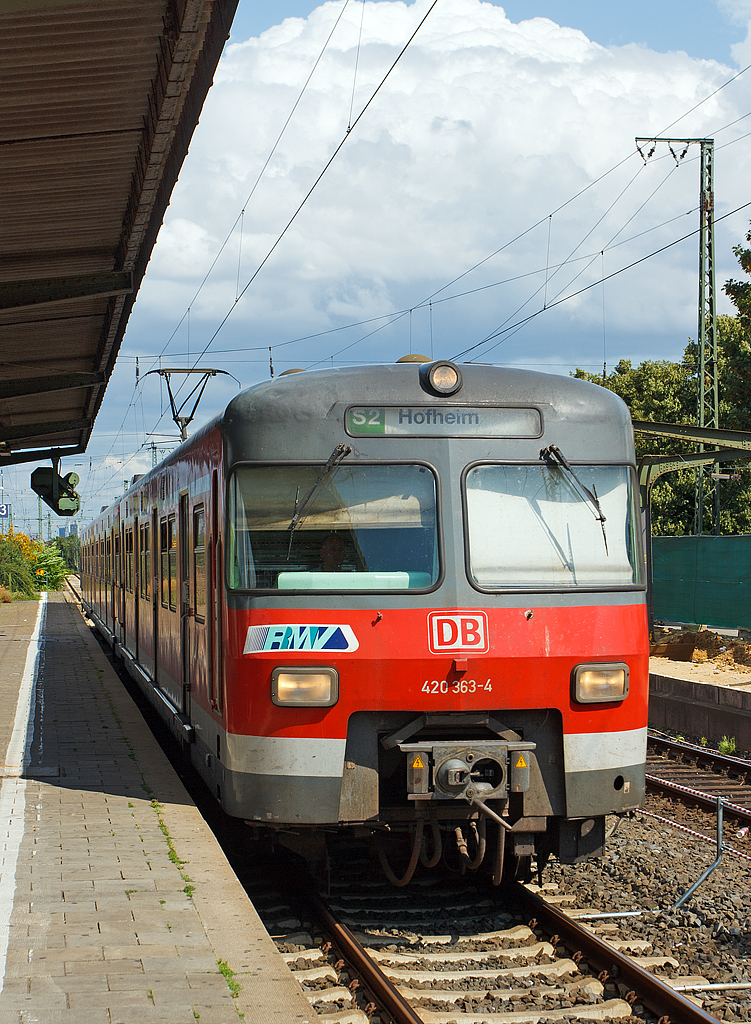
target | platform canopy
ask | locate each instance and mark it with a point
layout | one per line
(98, 104)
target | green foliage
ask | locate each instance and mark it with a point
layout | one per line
(27, 566)
(16, 571)
(50, 568)
(727, 745)
(229, 977)
(665, 391)
(69, 549)
(740, 291)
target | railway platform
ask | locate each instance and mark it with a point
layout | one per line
(117, 904)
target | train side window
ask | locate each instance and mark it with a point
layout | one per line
(172, 528)
(164, 553)
(129, 561)
(199, 562)
(145, 561)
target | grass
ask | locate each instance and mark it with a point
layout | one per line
(189, 888)
(229, 977)
(727, 745)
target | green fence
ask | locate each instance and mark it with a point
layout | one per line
(705, 580)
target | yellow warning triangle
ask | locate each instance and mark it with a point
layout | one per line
(521, 763)
(417, 763)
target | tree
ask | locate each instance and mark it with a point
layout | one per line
(27, 566)
(740, 291)
(665, 391)
(69, 549)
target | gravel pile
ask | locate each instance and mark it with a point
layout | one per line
(725, 652)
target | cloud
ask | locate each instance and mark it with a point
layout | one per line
(484, 129)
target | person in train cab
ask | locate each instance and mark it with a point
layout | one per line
(332, 553)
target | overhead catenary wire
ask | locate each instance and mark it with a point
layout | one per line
(433, 298)
(428, 303)
(557, 210)
(258, 178)
(593, 284)
(357, 62)
(315, 184)
(241, 215)
(515, 328)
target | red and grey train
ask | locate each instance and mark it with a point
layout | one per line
(403, 599)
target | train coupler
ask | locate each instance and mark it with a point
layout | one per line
(475, 771)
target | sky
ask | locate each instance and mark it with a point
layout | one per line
(476, 199)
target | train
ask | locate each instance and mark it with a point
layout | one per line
(402, 604)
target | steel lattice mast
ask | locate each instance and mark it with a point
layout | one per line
(707, 369)
(708, 405)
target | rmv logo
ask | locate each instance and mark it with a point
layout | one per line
(299, 637)
(458, 631)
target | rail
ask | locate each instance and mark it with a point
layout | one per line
(656, 996)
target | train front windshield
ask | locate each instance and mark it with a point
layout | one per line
(356, 528)
(538, 527)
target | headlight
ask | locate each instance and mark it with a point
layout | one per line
(307, 687)
(440, 378)
(600, 683)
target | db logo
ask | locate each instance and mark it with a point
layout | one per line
(458, 631)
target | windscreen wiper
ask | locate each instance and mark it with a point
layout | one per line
(554, 454)
(340, 452)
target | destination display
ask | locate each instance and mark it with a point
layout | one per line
(443, 421)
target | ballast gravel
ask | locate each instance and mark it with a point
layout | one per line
(648, 866)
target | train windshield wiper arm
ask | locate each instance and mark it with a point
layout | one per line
(554, 454)
(340, 452)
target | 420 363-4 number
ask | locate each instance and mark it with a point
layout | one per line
(458, 686)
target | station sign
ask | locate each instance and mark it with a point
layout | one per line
(443, 421)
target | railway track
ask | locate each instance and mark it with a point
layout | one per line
(453, 953)
(697, 776)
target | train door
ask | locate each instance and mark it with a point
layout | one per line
(155, 589)
(122, 583)
(115, 580)
(215, 599)
(109, 582)
(135, 581)
(184, 599)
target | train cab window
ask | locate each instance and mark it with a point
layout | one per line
(199, 562)
(533, 527)
(362, 528)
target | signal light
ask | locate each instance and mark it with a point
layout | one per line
(56, 491)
